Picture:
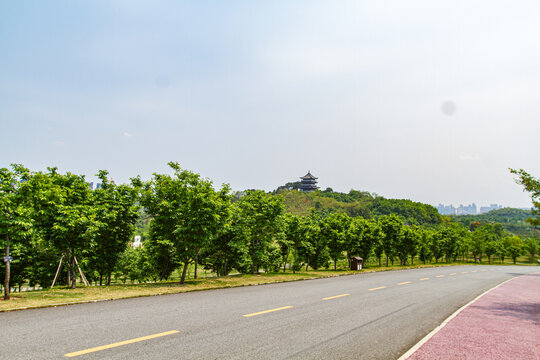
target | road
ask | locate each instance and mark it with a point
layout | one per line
(364, 316)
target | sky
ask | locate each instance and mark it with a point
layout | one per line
(425, 100)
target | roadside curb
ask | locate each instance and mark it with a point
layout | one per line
(426, 338)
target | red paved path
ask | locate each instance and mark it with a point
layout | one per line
(503, 324)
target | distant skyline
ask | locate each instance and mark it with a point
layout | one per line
(422, 100)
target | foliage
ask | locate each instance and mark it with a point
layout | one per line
(261, 215)
(187, 212)
(116, 215)
(532, 186)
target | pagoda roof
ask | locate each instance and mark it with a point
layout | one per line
(308, 176)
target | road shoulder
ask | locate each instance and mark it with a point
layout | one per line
(502, 323)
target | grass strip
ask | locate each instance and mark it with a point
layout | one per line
(64, 296)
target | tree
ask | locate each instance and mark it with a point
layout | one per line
(490, 249)
(229, 249)
(531, 246)
(261, 214)
(392, 228)
(513, 247)
(436, 246)
(406, 244)
(478, 243)
(187, 212)
(424, 245)
(333, 230)
(361, 237)
(15, 222)
(531, 185)
(297, 235)
(64, 214)
(116, 215)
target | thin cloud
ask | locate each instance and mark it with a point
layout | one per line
(469, 157)
(126, 134)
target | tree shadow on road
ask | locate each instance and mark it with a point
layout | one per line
(529, 311)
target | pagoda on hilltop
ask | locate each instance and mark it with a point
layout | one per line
(309, 183)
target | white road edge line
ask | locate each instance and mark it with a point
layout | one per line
(438, 328)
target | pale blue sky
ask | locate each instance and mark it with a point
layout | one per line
(256, 93)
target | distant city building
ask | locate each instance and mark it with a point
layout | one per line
(98, 186)
(91, 186)
(308, 183)
(446, 209)
(485, 209)
(465, 209)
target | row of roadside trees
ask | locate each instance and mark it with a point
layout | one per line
(48, 217)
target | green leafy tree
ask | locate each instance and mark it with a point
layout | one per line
(64, 214)
(297, 233)
(261, 215)
(531, 185)
(228, 250)
(424, 245)
(491, 248)
(187, 212)
(392, 228)
(359, 239)
(15, 223)
(333, 230)
(406, 244)
(436, 246)
(513, 247)
(116, 215)
(531, 247)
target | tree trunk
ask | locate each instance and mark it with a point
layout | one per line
(73, 273)
(109, 279)
(186, 264)
(335, 264)
(380, 261)
(196, 263)
(386, 260)
(100, 280)
(8, 272)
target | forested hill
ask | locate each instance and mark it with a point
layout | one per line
(358, 203)
(513, 220)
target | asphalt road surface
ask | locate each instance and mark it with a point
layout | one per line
(364, 316)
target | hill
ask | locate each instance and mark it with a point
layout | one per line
(357, 203)
(513, 220)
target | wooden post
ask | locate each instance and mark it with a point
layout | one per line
(57, 271)
(83, 278)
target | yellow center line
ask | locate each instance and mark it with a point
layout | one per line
(452, 274)
(464, 272)
(335, 297)
(474, 271)
(406, 282)
(422, 279)
(439, 276)
(484, 270)
(377, 288)
(267, 311)
(121, 343)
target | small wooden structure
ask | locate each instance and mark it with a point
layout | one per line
(356, 263)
